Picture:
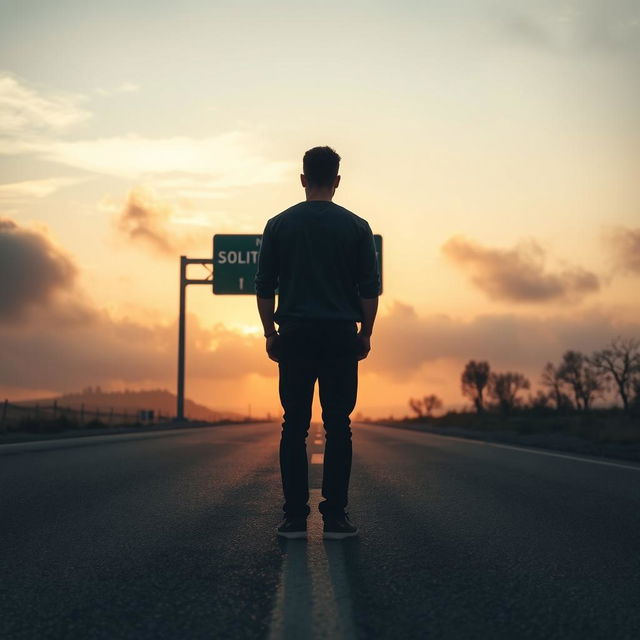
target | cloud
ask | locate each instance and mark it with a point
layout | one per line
(518, 275)
(52, 336)
(33, 271)
(53, 350)
(404, 341)
(36, 188)
(25, 110)
(192, 167)
(53, 353)
(188, 167)
(144, 218)
(147, 220)
(63, 341)
(625, 245)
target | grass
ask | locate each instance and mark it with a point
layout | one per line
(604, 432)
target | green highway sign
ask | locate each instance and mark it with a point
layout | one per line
(235, 262)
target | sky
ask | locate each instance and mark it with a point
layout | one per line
(494, 145)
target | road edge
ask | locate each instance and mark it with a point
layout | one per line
(584, 448)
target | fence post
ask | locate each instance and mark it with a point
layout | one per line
(4, 413)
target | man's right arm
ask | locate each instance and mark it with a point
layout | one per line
(266, 278)
(266, 282)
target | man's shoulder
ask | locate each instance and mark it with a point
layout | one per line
(360, 221)
(283, 216)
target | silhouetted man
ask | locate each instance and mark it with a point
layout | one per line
(322, 259)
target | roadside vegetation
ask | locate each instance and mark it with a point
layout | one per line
(584, 402)
(96, 412)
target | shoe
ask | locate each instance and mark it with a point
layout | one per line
(338, 527)
(293, 527)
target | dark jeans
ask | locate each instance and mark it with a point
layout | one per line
(325, 351)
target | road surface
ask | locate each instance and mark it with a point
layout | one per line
(172, 535)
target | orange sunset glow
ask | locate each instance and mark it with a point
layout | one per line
(494, 146)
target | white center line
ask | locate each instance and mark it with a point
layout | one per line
(313, 599)
(317, 458)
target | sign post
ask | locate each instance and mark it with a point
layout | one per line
(184, 281)
(231, 272)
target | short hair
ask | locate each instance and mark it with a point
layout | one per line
(320, 166)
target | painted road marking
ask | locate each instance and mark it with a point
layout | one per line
(317, 458)
(313, 599)
(561, 455)
(525, 449)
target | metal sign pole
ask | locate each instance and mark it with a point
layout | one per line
(184, 281)
(181, 336)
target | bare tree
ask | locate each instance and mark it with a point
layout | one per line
(475, 378)
(620, 361)
(541, 400)
(551, 379)
(504, 388)
(416, 405)
(583, 378)
(431, 402)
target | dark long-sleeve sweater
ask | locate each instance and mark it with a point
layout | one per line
(322, 258)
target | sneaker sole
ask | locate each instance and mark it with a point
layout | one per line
(292, 535)
(333, 535)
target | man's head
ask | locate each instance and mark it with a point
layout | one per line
(320, 167)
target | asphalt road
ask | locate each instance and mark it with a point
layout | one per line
(173, 536)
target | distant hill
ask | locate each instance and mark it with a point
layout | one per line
(159, 400)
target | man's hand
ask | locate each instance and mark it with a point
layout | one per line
(272, 347)
(364, 346)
